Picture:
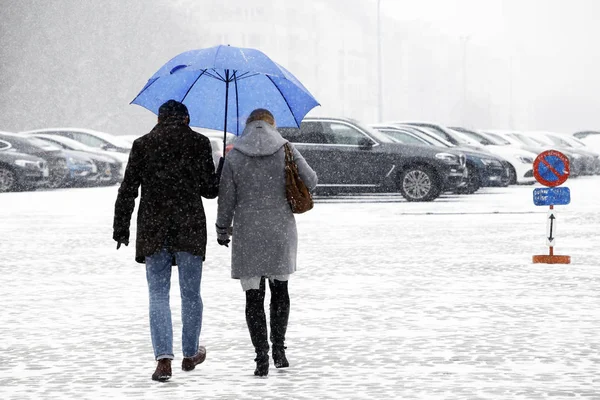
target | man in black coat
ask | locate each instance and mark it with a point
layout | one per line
(175, 169)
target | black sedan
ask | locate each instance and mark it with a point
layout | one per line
(19, 171)
(351, 157)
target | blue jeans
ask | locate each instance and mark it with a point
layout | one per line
(158, 273)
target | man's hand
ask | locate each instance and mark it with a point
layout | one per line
(121, 238)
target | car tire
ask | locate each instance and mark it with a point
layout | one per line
(419, 183)
(57, 180)
(473, 182)
(512, 176)
(8, 180)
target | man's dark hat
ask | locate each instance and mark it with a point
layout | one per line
(172, 108)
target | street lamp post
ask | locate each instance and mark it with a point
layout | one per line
(379, 66)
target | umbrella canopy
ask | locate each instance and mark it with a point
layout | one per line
(222, 85)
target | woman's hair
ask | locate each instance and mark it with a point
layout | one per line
(261, 114)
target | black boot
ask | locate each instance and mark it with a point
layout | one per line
(257, 325)
(280, 312)
(262, 364)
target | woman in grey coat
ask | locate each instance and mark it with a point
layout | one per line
(252, 198)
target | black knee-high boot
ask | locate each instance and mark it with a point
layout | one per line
(257, 325)
(280, 313)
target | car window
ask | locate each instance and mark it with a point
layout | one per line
(432, 138)
(474, 136)
(313, 132)
(344, 134)
(54, 143)
(42, 144)
(499, 139)
(437, 132)
(575, 142)
(403, 137)
(294, 135)
(529, 140)
(89, 140)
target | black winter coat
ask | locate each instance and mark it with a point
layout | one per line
(174, 166)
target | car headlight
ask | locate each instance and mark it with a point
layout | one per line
(526, 160)
(447, 158)
(28, 164)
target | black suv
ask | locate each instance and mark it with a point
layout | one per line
(350, 157)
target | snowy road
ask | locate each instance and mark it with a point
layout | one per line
(392, 300)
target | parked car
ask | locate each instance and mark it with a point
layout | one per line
(119, 148)
(584, 160)
(484, 168)
(56, 159)
(107, 166)
(586, 134)
(591, 142)
(591, 158)
(20, 171)
(536, 146)
(442, 132)
(519, 160)
(351, 157)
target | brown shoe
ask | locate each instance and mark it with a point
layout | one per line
(189, 363)
(163, 370)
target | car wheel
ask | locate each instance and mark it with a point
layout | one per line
(512, 176)
(473, 182)
(58, 176)
(419, 183)
(8, 180)
(55, 181)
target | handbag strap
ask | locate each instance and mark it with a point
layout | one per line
(289, 157)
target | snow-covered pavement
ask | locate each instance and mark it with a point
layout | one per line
(392, 300)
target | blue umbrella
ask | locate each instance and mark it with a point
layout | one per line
(222, 85)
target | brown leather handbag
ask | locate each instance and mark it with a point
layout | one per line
(296, 191)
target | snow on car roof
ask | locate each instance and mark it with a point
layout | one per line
(113, 139)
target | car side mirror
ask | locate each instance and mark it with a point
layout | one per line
(365, 144)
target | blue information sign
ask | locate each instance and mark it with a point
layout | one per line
(552, 196)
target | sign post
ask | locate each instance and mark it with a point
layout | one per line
(551, 168)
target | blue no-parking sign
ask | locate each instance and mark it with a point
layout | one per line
(551, 168)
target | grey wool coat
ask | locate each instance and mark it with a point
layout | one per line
(252, 198)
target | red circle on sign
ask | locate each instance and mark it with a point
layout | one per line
(561, 175)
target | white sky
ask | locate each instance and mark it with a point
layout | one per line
(477, 18)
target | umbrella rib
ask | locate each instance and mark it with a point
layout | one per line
(286, 102)
(219, 76)
(146, 88)
(247, 75)
(237, 104)
(191, 86)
